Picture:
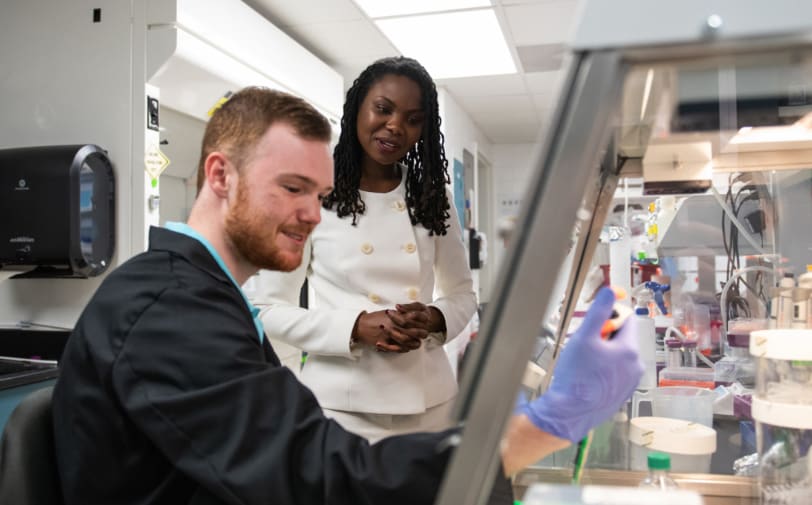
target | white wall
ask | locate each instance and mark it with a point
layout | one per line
(459, 130)
(460, 133)
(183, 136)
(512, 169)
(68, 80)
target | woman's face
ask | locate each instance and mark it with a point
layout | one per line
(390, 119)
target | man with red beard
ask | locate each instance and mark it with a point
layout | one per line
(169, 392)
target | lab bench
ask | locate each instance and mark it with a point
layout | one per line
(28, 361)
(715, 489)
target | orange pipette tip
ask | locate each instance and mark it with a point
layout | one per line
(620, 313)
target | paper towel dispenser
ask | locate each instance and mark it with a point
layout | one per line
(58, 208)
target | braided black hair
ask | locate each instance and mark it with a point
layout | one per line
(426, 164)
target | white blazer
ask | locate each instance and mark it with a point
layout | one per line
(382, 261)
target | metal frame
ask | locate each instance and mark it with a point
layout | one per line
(565, 166)
(596, 204)
(524, 287)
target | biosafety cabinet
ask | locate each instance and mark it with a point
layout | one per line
(138, 78)
(685, 130)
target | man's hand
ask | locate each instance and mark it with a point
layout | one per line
(592, 378)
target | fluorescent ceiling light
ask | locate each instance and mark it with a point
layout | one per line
(457, 44)
(385, 8)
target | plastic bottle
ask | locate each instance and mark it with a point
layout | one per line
(647, 337)
(800, 307)
(689, 353)
(673, 353)
(805, 281)
(619, 438)
(783, 313)
(659, 464)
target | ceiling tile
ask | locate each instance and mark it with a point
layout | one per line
(364, 46)
(544, 103)
(512, 131)
(510, 106)
(541, 23)
(522, 2)
(509, 109)
(284, 13)
(544, 83)
(503, 119)
(541, 57)
(512, 84)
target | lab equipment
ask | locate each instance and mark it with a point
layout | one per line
(800, 307)
(620, 313)
(694, 314)
(689, 445)
(805, 279)
(689, 354)
(610, 442)
(647, 337)
(733, 281)
(746, 465)
(659, 465)
(581, 395)
(737, 365)
(782, 409)
(58, 204)
(781, 305)
(672, 91)
(698, 377)
(673, 353)
(805, 282)
(678, 402)
(652, 291)
(556, 494)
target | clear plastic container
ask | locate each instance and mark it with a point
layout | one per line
(697, 321)
(610, 443)
(689, 445)
(673, 353)
(659, 466)
(742, 327)
(689, 354)
(687, 376)
(781, 303)
(782, 409)
(678, 402)
(737, 365)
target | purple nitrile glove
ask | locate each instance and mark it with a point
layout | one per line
(592, 378)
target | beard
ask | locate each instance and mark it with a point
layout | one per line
(254, 237)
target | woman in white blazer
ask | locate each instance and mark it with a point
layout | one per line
(388, 274)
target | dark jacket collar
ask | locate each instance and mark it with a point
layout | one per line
(161, 239)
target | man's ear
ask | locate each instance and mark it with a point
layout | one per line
(217, 168)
